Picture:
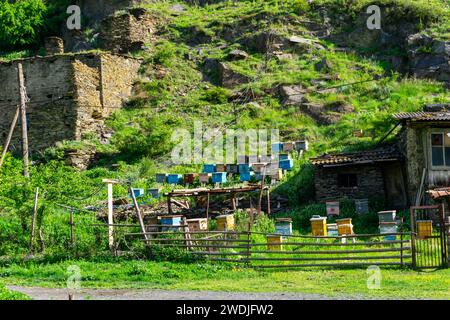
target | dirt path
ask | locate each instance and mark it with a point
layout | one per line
(140, 294)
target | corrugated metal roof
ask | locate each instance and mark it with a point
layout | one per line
(423, 116)
(370, 156)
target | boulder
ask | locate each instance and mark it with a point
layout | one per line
(229, 78)
(238, 55)
(292, 95)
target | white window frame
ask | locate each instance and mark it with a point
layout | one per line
(442, 132)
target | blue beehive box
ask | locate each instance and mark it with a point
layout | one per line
(277, 147)
(287, 164)
(283, 156)
(161, 178)
(174, 178)
(244, 168)
(246, 176)
(258, 176)
(283, 226)
(209, 168)
(170, 221)
(138, 192)
(155, 193)
(219, 177)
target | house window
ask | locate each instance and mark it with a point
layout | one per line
(347, 180)
(440, 149)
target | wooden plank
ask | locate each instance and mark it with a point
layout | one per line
(9, 137)
(33, 218)
(330, 258)
(198, 240)
(333, 251)
(24, 124)
(360, 264)
(331, 244)
(200, 246)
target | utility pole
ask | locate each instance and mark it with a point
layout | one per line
(23, 111)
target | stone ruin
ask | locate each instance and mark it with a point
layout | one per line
(69, 95)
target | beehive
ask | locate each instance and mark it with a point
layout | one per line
(264, 159)
(197, 224)
(232, 168)
(209, 168)
(332, 229)
(302, 145)
(246, 176)
(288, 146)
(153, 222)
(424, 229)
(219, 177)
(283, 156)
(275, 242)
(319, 226)
(345, 229)
(259, 176)
(244, 168)
(283, 226)
(204, 177)
(258, 167)
(225, 222)
(287, 164)
(344, 221)
(362, 206)
(388, 227)
(332, 208)
(138, 192)
(174, 178)
(277, 147)
(155, 193)
(221, 167)
(189, 178)
(387, 216)
(161, 177)
(277, 175)
(171, 222)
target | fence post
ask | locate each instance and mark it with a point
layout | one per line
(413, 238)
(249, 239)
(33, 219)
(72, 236)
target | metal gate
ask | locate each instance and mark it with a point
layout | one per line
(428, 237)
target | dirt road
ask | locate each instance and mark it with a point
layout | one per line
(140, 294)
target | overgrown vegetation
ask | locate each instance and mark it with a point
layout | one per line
(173, 92)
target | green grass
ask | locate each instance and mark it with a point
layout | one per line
(6, 294)
(164, 275)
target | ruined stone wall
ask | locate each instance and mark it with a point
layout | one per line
(70, 95)
(127, 31)
(98, 9)
(370, 182)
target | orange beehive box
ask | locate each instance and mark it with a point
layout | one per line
(424, 229)
(275, 242)
(319, 226)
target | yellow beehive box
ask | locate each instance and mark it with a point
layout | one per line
(319, 226)
(197, 224)
(424, 229)
(344, 221)
(275, 242)
(225, 222)
(345, 229)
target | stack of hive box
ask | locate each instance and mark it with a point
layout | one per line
(388, 224)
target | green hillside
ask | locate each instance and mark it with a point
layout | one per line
(177, 87)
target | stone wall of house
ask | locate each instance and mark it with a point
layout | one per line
(411, 140)
(98, 9)
(370, 182)
(127, 31)
(69, 95)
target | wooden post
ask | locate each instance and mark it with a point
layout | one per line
(72, 237)
(141, 221)
(169, 204)
(23, 109)
(33, 219)
(268, 202)
(207, 209)
(233, 202)
(110, 184)
(10, 134)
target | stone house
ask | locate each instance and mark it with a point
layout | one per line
(69, 95)
(400, 173)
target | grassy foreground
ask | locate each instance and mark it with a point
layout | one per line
(351, 283)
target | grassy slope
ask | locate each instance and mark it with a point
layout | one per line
(172, 276)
